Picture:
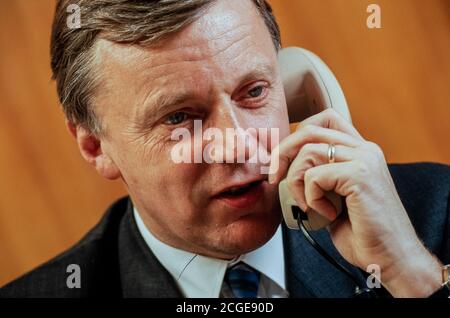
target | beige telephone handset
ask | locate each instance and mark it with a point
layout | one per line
(310, 87)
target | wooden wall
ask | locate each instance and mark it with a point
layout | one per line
(396, 80)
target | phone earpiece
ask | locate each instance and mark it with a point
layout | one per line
(310, 87)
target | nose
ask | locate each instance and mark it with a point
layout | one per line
(243, 141)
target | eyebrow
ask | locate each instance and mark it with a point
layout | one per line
(257, 72)
(160, 102)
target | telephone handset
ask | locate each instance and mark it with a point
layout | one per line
(310, 87)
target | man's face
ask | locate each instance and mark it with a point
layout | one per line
(222, 70)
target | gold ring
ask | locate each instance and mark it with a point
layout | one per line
(331, 153)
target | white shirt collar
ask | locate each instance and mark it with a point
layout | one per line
(201, 276)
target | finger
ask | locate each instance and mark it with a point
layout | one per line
(329, 177)
(287, 150)
(312, 155)
(330, 118)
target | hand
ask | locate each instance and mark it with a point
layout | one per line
(377, 229)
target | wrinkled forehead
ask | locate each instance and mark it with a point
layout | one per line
(226, 31)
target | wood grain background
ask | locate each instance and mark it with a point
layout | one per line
(396, 80)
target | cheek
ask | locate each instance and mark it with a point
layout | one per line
(179, 194)
(168, 188)
(145, 165)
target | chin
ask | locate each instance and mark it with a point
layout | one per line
(249, 233)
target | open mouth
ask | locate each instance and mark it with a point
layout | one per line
(244, 196)
(236, 191)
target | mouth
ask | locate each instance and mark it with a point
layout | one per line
(243, 196)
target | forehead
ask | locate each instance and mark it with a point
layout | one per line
(227, 40)
(218, 30)
(222, 26)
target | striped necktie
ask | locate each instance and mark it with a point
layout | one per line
(242, 280)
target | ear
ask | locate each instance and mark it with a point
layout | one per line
(91, 149)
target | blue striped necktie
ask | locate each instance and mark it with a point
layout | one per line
(243, 281)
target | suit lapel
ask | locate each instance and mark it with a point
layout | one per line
(142, 276)
(308, 274)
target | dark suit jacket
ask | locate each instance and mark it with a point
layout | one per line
(116, 262)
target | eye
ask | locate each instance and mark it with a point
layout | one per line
(176, 118)
(256, 91)
(253, 95)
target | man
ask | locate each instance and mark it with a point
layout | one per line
(133, 73)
